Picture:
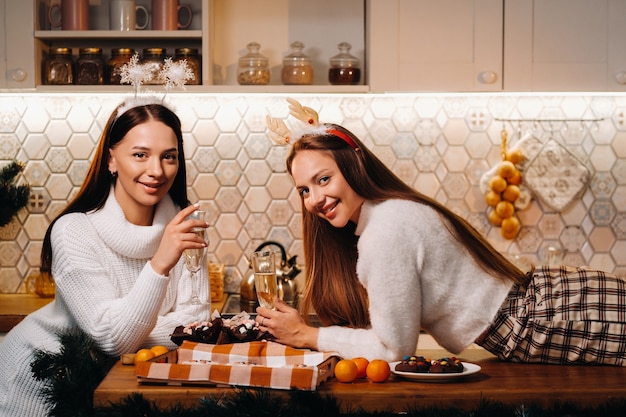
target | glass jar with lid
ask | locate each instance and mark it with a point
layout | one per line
(297, 67)
(90, 67)
(119, 58)
(193, 63)
(344, 67)
(253, 67)
(153, 60)
(59, 67)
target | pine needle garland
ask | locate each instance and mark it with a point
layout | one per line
(12, 196)
(72, 375)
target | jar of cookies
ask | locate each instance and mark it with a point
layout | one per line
(253, 67)
(297, 67)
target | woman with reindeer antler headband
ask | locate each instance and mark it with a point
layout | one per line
(384, 261)
(115, 250)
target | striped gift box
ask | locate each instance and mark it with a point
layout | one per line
(252, 364)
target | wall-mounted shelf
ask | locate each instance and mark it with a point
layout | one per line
(113, 34)
(220, 30)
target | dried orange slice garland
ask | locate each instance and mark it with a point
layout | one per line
(504, 191)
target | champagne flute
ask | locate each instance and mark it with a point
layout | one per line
(264, 267)
(194, 258)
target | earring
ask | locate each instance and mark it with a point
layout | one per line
(113, 174)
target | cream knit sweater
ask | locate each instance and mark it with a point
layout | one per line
(417, 275)
(107, 288)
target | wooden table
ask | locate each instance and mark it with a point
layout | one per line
(14, 307)
(507, 383)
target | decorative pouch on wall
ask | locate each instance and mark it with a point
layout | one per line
(556, 176)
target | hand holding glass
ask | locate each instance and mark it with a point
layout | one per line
(264, 267)
(194, 258)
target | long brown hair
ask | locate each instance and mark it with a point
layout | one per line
(332, 288)
(95, 189)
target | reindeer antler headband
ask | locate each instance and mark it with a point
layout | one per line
(280, 133)
(173, 74)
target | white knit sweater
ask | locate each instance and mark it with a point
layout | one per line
(105, 286)
(417, 275)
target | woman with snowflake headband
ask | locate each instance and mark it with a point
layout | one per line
(384, 261)
(115, 251)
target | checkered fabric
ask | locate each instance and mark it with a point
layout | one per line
(249, 364)
(565, 315)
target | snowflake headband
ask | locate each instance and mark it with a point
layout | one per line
(173, 74)
(280, 133)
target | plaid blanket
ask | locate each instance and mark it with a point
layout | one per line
(565, 315)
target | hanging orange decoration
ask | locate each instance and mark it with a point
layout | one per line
(504, 191)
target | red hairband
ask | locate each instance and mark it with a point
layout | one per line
(343, 137)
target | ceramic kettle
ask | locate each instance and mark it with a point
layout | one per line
(286, 271)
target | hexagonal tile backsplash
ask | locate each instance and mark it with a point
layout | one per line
(440, 144)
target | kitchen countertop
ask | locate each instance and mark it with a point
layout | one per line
(14, 307)
(509, 383)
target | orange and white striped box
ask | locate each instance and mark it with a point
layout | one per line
(251, 364)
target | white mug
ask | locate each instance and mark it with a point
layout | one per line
(123, 15)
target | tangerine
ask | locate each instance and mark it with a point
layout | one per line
(516, 178)
(494, 219)
(510, 225)
(511, 193)
(514, 155)
(346, 370)
(497, 184)
(506, 169)
(361, 366)
(378, 370)
(492, 198)
(143, 355)
(505, 209)
(509, 235)
(159, 350)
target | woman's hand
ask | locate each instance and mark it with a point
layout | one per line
(177, 237)
(287, 325)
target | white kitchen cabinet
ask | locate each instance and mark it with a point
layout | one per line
(497, 45)
(443, 45)
(565, 45)
(220, 31)
(17, 64)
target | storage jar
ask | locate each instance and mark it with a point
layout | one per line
(193, 63)
(154, 58)
(253, 67)
(90, 67)
(297, 67)
(119, 58)
(59, 67)
(344, 67)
